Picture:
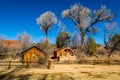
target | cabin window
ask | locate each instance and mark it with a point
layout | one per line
(65, 50)
(68, 49)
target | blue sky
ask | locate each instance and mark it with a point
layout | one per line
(17, 16)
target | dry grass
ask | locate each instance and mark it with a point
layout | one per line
(63, 72)
(64, 76)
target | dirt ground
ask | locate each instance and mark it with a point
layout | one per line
(63, 72)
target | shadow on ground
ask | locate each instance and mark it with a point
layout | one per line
(56, 76)
(11, 76)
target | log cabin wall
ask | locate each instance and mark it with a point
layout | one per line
(33, 54)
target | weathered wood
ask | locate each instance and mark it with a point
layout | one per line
(33, 54)
(64, 54)
(9, 65)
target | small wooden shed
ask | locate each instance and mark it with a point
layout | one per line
(64, 54)
(33, 54)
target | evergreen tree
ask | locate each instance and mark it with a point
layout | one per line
(91, 46)
(63, 39)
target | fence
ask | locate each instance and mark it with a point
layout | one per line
(29, 64)
(10, 64)
(102, 62)
(93, 62)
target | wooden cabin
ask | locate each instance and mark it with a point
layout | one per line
(64, 54)
(33, 54)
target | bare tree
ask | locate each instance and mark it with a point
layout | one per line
(110, 29)
(84, 18)
(109, 33)
(24, 40)
(46, 20)
(3, 49)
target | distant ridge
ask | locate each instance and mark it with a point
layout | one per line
(11, 43)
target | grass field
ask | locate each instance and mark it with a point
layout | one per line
(63, 72)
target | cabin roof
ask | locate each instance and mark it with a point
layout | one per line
(64, 49)
(31, 48)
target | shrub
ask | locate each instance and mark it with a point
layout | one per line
(91, 46)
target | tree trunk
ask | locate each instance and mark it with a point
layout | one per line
(46, 45)
(82, 38)
(47, 41)
(46, 32)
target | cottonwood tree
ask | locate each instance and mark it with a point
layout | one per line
(46, 20)
(84, 18)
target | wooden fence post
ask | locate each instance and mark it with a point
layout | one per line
(49, 64)
(93, 61)
(108, 62)
(80, 61)
(9, 65)
(28, 64)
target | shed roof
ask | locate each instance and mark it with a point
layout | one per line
(31, 48)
